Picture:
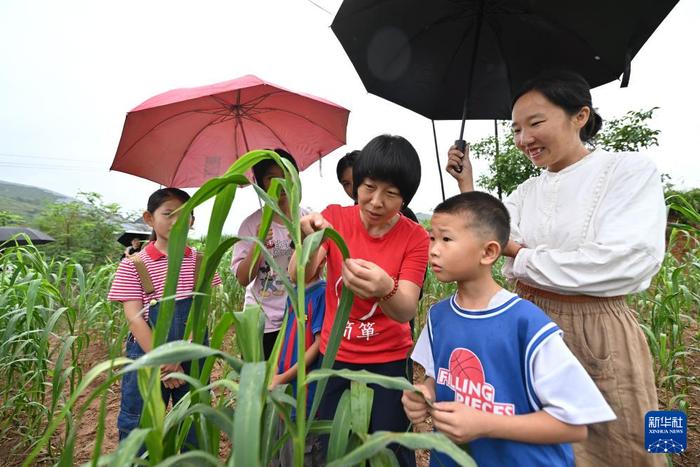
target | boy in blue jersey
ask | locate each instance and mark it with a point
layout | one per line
(496, 366)
(315, 303)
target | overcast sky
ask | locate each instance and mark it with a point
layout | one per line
(70, 71)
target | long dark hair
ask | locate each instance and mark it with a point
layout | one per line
(159, 197)
(568, 91)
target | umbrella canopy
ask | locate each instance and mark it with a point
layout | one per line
(20, 235)
(447, 59)
(185, 136)
(126, 237)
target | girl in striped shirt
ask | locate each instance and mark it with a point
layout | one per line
(138, 284)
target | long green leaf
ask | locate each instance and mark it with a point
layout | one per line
(191, 458)
(66, 459)
(129, 448)
(271, 422)
(377, 441)
(249, 410)
(361, 398)
(340, 432)
(341, 318)
(249, 325)
(221, 417)
(178, 351)
(153, 413)
(384, 458)
(363, 376)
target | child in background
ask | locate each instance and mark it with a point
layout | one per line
(344, 172)
(262, 284)
(315, 307)
(138, 284)
(503, 379)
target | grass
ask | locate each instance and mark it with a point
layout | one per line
(50, 312)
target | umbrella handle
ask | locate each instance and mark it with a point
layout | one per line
(462, 146)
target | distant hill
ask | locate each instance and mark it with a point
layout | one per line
(27, 201)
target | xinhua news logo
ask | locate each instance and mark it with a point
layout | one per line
(665, 432)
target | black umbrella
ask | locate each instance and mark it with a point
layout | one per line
(451, 59)
(126, 237)
(21, 234)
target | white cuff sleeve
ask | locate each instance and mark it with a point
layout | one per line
(563, 387)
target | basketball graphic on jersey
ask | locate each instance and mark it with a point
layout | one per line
(466, 366)
(465, 376)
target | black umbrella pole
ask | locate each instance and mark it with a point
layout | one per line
(437, 158)
(461, 143)
(498, 176)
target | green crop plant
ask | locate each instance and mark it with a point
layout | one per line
(245, 411)
(45, 321)
(670, 307)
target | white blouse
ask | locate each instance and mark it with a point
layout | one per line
(595, 228)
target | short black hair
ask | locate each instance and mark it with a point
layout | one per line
(483, 212)
(568, 91)
(346, 162)
(260, 169)
(392, 159)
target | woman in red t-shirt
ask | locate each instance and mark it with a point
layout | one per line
(389, 255)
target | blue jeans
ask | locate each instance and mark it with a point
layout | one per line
(131, 402)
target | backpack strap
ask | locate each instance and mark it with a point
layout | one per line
(197, 263)
(144, 277)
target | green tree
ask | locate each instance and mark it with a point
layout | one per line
(8, 218)
(84, 229)
(631, 132)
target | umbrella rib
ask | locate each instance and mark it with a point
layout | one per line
(154, 127)
(189, 145)
(251, 103)
(302, 117)
(238, 116)
(268, 127)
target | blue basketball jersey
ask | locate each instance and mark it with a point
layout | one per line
(484, 360)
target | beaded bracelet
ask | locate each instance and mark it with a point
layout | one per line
(393, 291)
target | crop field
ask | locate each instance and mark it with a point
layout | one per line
(61, 342)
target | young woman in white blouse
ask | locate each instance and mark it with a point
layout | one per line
(586, 232)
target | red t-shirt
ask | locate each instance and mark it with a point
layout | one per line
(370, 336)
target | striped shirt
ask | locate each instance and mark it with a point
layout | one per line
(127, 284)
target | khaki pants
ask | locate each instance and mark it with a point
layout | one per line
(606, 338)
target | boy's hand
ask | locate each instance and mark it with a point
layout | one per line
(276, 381)
(171, 383)
(415, 405)
(459, 422)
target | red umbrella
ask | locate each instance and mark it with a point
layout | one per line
(184, 137)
